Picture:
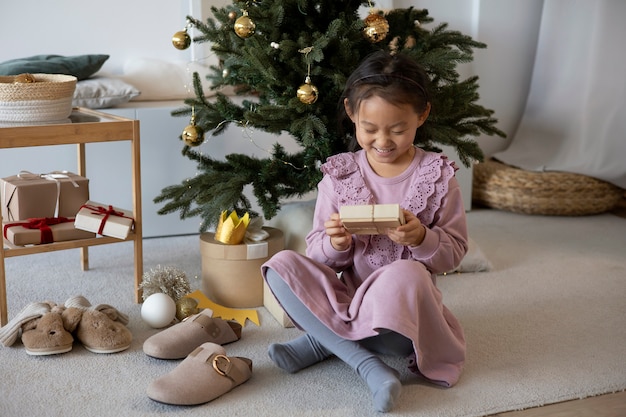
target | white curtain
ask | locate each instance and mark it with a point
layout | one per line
(575, 116)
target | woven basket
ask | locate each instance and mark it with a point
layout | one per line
(47, 99)
(508, 188)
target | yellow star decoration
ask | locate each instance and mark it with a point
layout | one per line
(226, 313)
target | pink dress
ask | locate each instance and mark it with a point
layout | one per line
(384, 285)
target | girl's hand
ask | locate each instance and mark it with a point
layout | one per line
(339, 237)
(411, 233)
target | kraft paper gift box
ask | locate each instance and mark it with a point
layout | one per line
(275, 309)
(55, 194)
(45, 230)
(371, 219)
(104, 220)
(231, 274)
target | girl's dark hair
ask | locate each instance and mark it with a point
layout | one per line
(396, 78)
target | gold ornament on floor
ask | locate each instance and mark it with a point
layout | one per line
(193, 135)
(376, 27)
(186, 307)
(244, 26)
(307, 93)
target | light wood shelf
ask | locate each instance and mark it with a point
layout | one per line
(84, 126)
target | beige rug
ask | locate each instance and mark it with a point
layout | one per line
(546, 324)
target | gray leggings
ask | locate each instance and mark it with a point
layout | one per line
(387, 342)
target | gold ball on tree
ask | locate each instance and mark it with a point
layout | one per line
(244, 26)
(376, 28)
(181, 40)
(193, 135)
(232, 15)
(307, 93)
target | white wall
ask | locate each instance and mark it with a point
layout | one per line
(510, 29)
(143, 28)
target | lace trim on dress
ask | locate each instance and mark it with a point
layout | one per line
(428, 188)
(348, 183)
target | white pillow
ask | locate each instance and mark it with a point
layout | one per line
(103, 92)
(164, 80)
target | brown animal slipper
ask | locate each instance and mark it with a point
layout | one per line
(204, 375)
(101, 328)
(42, 328)
(181, 339)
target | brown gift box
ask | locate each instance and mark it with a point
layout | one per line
(231, 274)
(21, 236)
(371, 219)
(29, 195)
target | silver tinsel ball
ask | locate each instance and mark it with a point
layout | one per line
(168, 280)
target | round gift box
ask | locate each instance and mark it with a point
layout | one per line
(47, 99)
(231, 274)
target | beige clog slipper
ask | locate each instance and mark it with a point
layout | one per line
(181, 339)
(204, 375)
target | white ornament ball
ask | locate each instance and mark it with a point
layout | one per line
(158, 310)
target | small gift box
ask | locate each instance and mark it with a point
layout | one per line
(231, 274)
(371, 219)
(43, 230)
(104, 220)
(55, 194)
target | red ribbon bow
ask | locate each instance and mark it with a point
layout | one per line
(41, 223)
(106, 212)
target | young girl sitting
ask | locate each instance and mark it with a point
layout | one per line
(359, 296)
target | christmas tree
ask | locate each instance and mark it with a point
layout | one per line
(290, 60)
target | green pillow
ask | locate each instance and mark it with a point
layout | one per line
(80, 66)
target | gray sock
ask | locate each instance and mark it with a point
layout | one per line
(381, 379)
(298, 353)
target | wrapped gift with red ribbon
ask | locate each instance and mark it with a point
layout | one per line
(37, 231)
(104, 220)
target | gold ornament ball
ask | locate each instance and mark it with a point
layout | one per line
(232, 16)
(244, 27)
(24, 78)
(186, 307)
(307, 93)
(376, 28)
(193, 135)
(181, 40)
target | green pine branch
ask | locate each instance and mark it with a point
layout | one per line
(267, 69)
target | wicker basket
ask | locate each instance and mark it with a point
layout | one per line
(508, 188)
(47, 99)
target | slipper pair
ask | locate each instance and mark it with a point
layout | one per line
(49, 329)
(205, 372)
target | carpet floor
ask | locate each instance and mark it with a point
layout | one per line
(545, 325)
